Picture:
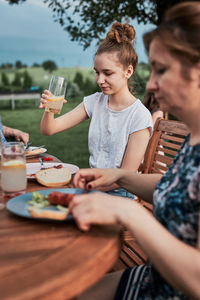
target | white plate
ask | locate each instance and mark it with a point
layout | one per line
(32, 168)
(43, 150)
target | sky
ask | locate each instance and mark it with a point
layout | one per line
(29, 33)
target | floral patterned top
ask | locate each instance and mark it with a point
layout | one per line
(176, 207)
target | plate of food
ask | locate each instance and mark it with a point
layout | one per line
(35, 151)
(44, 204)
(33, 168)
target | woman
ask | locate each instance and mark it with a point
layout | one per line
(120, 124)
(170, 238)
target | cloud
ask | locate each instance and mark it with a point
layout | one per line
(38, 3)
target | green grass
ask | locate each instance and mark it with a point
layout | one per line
(69, 146)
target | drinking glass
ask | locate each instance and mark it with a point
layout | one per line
(13, 169)
(57, 88)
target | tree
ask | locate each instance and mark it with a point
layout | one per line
(94, 16)
(4, 79)
(18, 64)
(78, 79)
(49, 65)
(6, 66)
(27, 80)
(35, 65)
(17, 80)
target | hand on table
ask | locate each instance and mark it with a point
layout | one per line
(96, 178)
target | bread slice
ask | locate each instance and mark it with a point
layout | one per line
(34, 152)
(53, 177)
(47, 213)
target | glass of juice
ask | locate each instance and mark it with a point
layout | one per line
(13, 169)
(57, 88)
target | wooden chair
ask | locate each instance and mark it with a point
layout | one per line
(163, 146)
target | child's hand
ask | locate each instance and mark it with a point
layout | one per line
(44, 98)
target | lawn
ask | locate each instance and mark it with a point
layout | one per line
(69, 146)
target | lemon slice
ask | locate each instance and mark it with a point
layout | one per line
(14, 163)
(55, 99)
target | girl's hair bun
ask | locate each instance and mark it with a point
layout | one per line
(121, 33)
(120, 39)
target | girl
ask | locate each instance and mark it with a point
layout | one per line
(120, 125)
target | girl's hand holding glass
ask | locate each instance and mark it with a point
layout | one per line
(53, 99)
(44, 98)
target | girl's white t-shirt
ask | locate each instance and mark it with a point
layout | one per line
(109, 130)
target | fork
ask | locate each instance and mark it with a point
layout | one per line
(41, 163)
(28, 145)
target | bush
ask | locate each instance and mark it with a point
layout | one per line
(90, 87)
(73, 90)
(86, 87)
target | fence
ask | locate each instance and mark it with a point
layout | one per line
(23, 96)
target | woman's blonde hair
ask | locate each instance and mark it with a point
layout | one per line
(120, 39)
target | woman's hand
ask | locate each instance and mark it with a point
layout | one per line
(17, 134)
(44, 98)
(97, 208)
(96, 178)
(21, 136)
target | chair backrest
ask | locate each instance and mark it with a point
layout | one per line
(164, 144)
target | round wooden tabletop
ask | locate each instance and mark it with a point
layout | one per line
(52, 260)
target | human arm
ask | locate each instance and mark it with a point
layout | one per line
(180, 267)
(142, 185)
(16, 133)
(157, 114)
(134, 153)
(50, 125)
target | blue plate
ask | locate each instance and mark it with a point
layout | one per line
(19, 206)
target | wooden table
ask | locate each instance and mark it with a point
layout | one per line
(51, 260)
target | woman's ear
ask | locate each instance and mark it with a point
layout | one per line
(129, 72)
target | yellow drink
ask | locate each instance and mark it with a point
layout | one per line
(13, 176)
(54, 104)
